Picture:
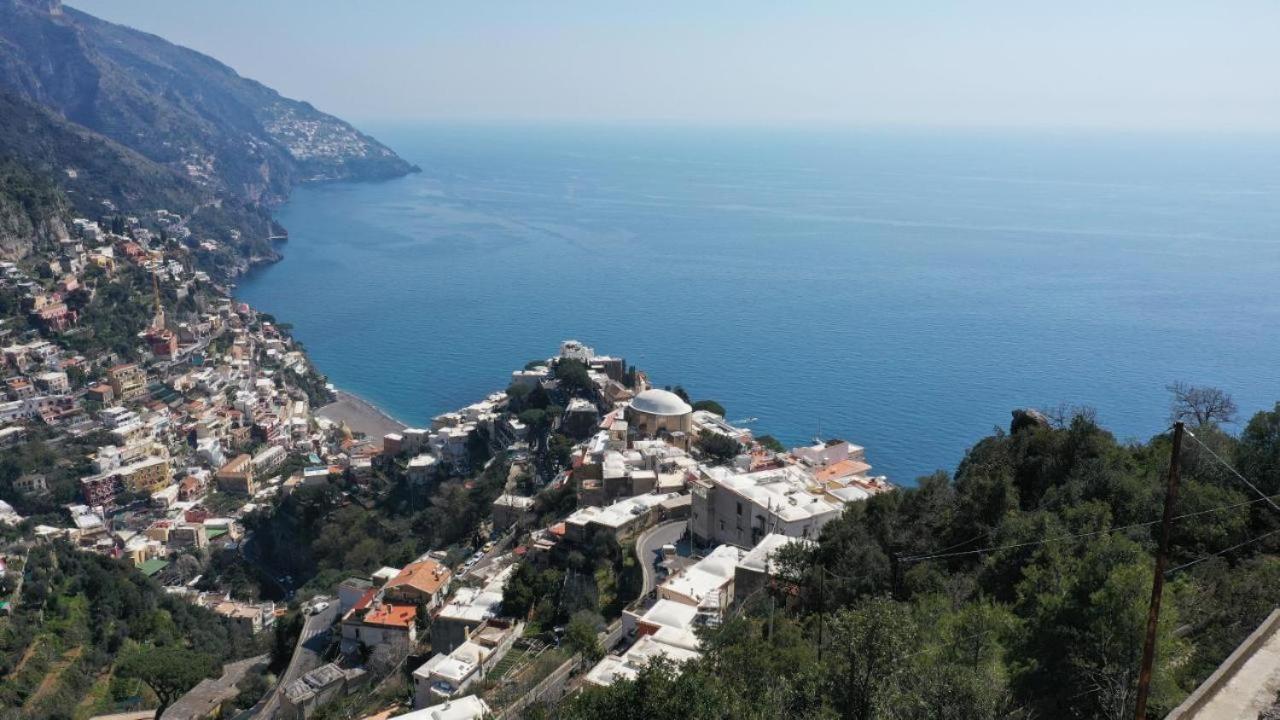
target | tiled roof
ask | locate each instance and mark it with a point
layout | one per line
(428, 576)
(391, 615)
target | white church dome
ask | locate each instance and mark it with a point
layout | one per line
(660, 402)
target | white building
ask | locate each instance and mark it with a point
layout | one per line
(741, 508)
(422, 468)
(468, 609)
(445, 675)
(760, 563)
(666, 629)
(706, 585)
(530, 378)
(269, 460)
(449, 445)
(621, 518)
(463, 708)
(575, 350)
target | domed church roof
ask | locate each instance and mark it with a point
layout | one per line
(660, 402)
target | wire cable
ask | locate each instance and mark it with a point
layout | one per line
(1235, 472)
(1060, 538)
(1223, 551)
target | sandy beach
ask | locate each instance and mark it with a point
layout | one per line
(360, 415)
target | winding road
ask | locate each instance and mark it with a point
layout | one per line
(307, 656)
(649, 547)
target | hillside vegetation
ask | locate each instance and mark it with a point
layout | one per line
(80, 616)
(1016, 588)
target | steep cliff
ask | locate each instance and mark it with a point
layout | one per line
(177, 107)
(32, 211)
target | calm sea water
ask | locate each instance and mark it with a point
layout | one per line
(904, 291)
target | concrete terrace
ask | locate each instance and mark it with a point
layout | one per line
(1244, 685)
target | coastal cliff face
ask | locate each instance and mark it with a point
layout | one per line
(123, 119)
(178, 107)
(95, 175)
(31, 212)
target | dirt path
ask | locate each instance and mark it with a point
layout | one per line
(50, 680)
(26, 656)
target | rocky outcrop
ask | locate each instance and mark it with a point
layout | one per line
(31, 211)
(1028, 419)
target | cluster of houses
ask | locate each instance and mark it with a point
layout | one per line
(637, 463)
(206, 423)
(212, 422)
(383, 614)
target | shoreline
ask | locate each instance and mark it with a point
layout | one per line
(360, 415)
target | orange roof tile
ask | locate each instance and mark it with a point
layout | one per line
(844, 468)
(392, 615)
(365, 599)
(428, 576)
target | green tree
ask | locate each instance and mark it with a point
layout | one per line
(710, 406)
(719, 449)
(1258, 457)
(561, 447)
(573, 376)
(517, 395)
(679, 392)
(769, 442)
(582, 634)
(536, 419)
(866, 644)
(169, 671)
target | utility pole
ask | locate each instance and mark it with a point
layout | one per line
(1157, 582)
(822, 607)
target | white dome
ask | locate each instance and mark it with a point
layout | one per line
(660, 402)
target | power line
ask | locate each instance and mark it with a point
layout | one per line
(1060, 538)
(1223, 551)
(1235, 472)
(944, 646)
(1029, 543)
(979, 536)
(1261, 497)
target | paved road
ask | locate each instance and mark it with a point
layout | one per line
(312, 641)
(498, 553)
(649, 548)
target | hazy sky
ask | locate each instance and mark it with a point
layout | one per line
(1123, 63)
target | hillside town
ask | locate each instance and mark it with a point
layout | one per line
(604, 522)
(179, 440)
(706, 530)
(211, 422)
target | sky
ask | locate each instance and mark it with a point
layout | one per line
(1136, 64)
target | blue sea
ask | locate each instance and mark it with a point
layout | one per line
(903, 290)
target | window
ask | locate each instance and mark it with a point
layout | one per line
(739, 508)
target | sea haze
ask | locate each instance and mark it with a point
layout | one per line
(902, 290)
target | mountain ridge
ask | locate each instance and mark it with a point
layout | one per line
(221, 140)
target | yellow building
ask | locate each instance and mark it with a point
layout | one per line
(128, 382)
(236, 476)
(149, 475)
